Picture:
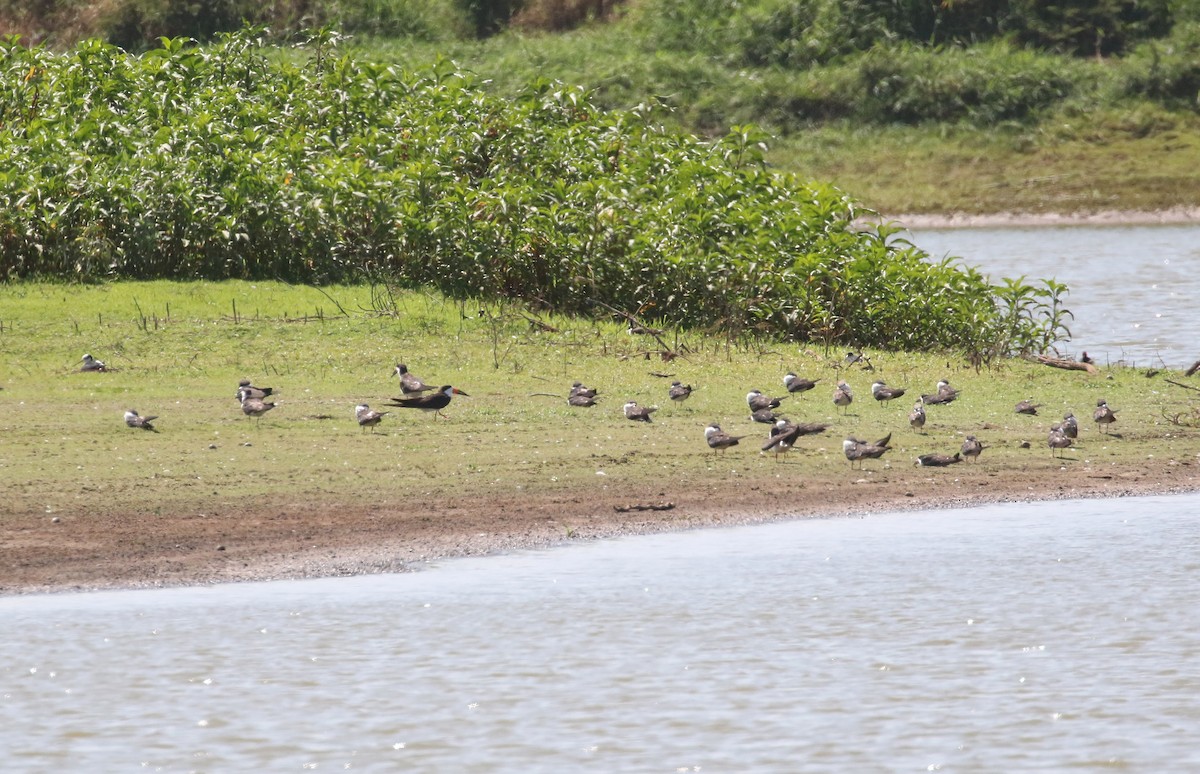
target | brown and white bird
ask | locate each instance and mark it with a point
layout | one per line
(1103, 415)
(636, 413)
(765, 416)
(718, 439)
(1027, 407)
(434, 402)
(409, 384)
(248, 390)
(857, 451)
(368, 417)
(1057, 441)
(90, 363)
(842, 396)
(785, 434)
(679, 392)
(255, 407)
(581, 400)
(882, 393)
(916, 417)
(938, 460)
(577, 388)
(972, 448)
(1070, 425)
(943, 394)
(795, 385)
(134, 420)
(757, 401)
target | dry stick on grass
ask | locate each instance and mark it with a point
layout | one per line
(1180, 384)
(1070, 365)
(666, 352)
(644, 507)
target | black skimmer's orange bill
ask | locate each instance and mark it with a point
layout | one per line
(944, 394)
(938, 460)
(1070, 425)
(679, 392)
(842, 395)
(784, 434)
(765, 416)
(255, 407)
(434, 402)
(916, 417)
(248, 390)
(857, 451)
(580, 399)
(90, 363)
(796, 385)
(409, 384)
(1057, 440)
(972, 448)
(756, 400)
(134, 420)
(1027, 407)
(1103, 415)
(588, 392)
(719, 439)
(368, 417)
(638, 413)
(882, 393)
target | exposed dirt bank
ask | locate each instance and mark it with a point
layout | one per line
(1029, 219)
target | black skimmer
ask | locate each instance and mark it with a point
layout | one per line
(765, 416)
(1070, 425)
(637, 413)
(756, 400)
(1103, 415)
(785, 434)
(916, 417)
(368, 417)
(972, 448)
(679, 392)
(90, 363)
(409, 384)
(882, 393)
(1027, 407)
(938, 460)
(1057, 440)
(795, 384)
(577, 388)
(1083, 358)
(134, 420)
(861, 359)
(248, 390)
(857, 451)
(944, 394)
(255, 407)
(434, 402)
(719, 439)
(842, 396)
(580, 399)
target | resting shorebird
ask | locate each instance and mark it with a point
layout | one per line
(1057, 440)
(842, 396)
(409, 384)
(679, 392)
(1027, 407)
(368, 417)
(133, 420)
(882, 393)
(581, 399)
(1070, 425)
(577, 388)
(637, 413)
(719, 439)
(972, 448)
(785, 434)
(944, 394)
(434, 402)
(1103, 415)
(938, 460)
(248, 390)
(255, 407)
(857, 451)
(756, 400)
(795, 384)
(916, 417)
(1083, 358)
(90, 363)
(765, 416)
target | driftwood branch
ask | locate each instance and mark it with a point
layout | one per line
(1195, 367)
(1181, 384)
(644, 507)
(1062, 362)
(667, 353)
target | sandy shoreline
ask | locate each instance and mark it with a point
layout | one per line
(88, 551)
(934, 220)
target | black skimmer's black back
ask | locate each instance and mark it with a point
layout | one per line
(409, 384)
(757, 401)
(580, 399)
(795, 385)
(636, 413)
(857, 451)
(679, 392)
(134, 420)
(1027, 407)
(718, 439)
(882, 393)
(765, 416)
(785, 434)
(943, 394)
(588, 392)
(434, 402)
(248, 390)
(368, 417)
(90, 363)
(938, 460)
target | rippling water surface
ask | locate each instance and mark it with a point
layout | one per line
(1133, 288)
(1047, 637)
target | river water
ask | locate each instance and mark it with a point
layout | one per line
(1025, 637)
(1133, 288)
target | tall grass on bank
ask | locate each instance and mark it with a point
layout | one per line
(224, 163)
